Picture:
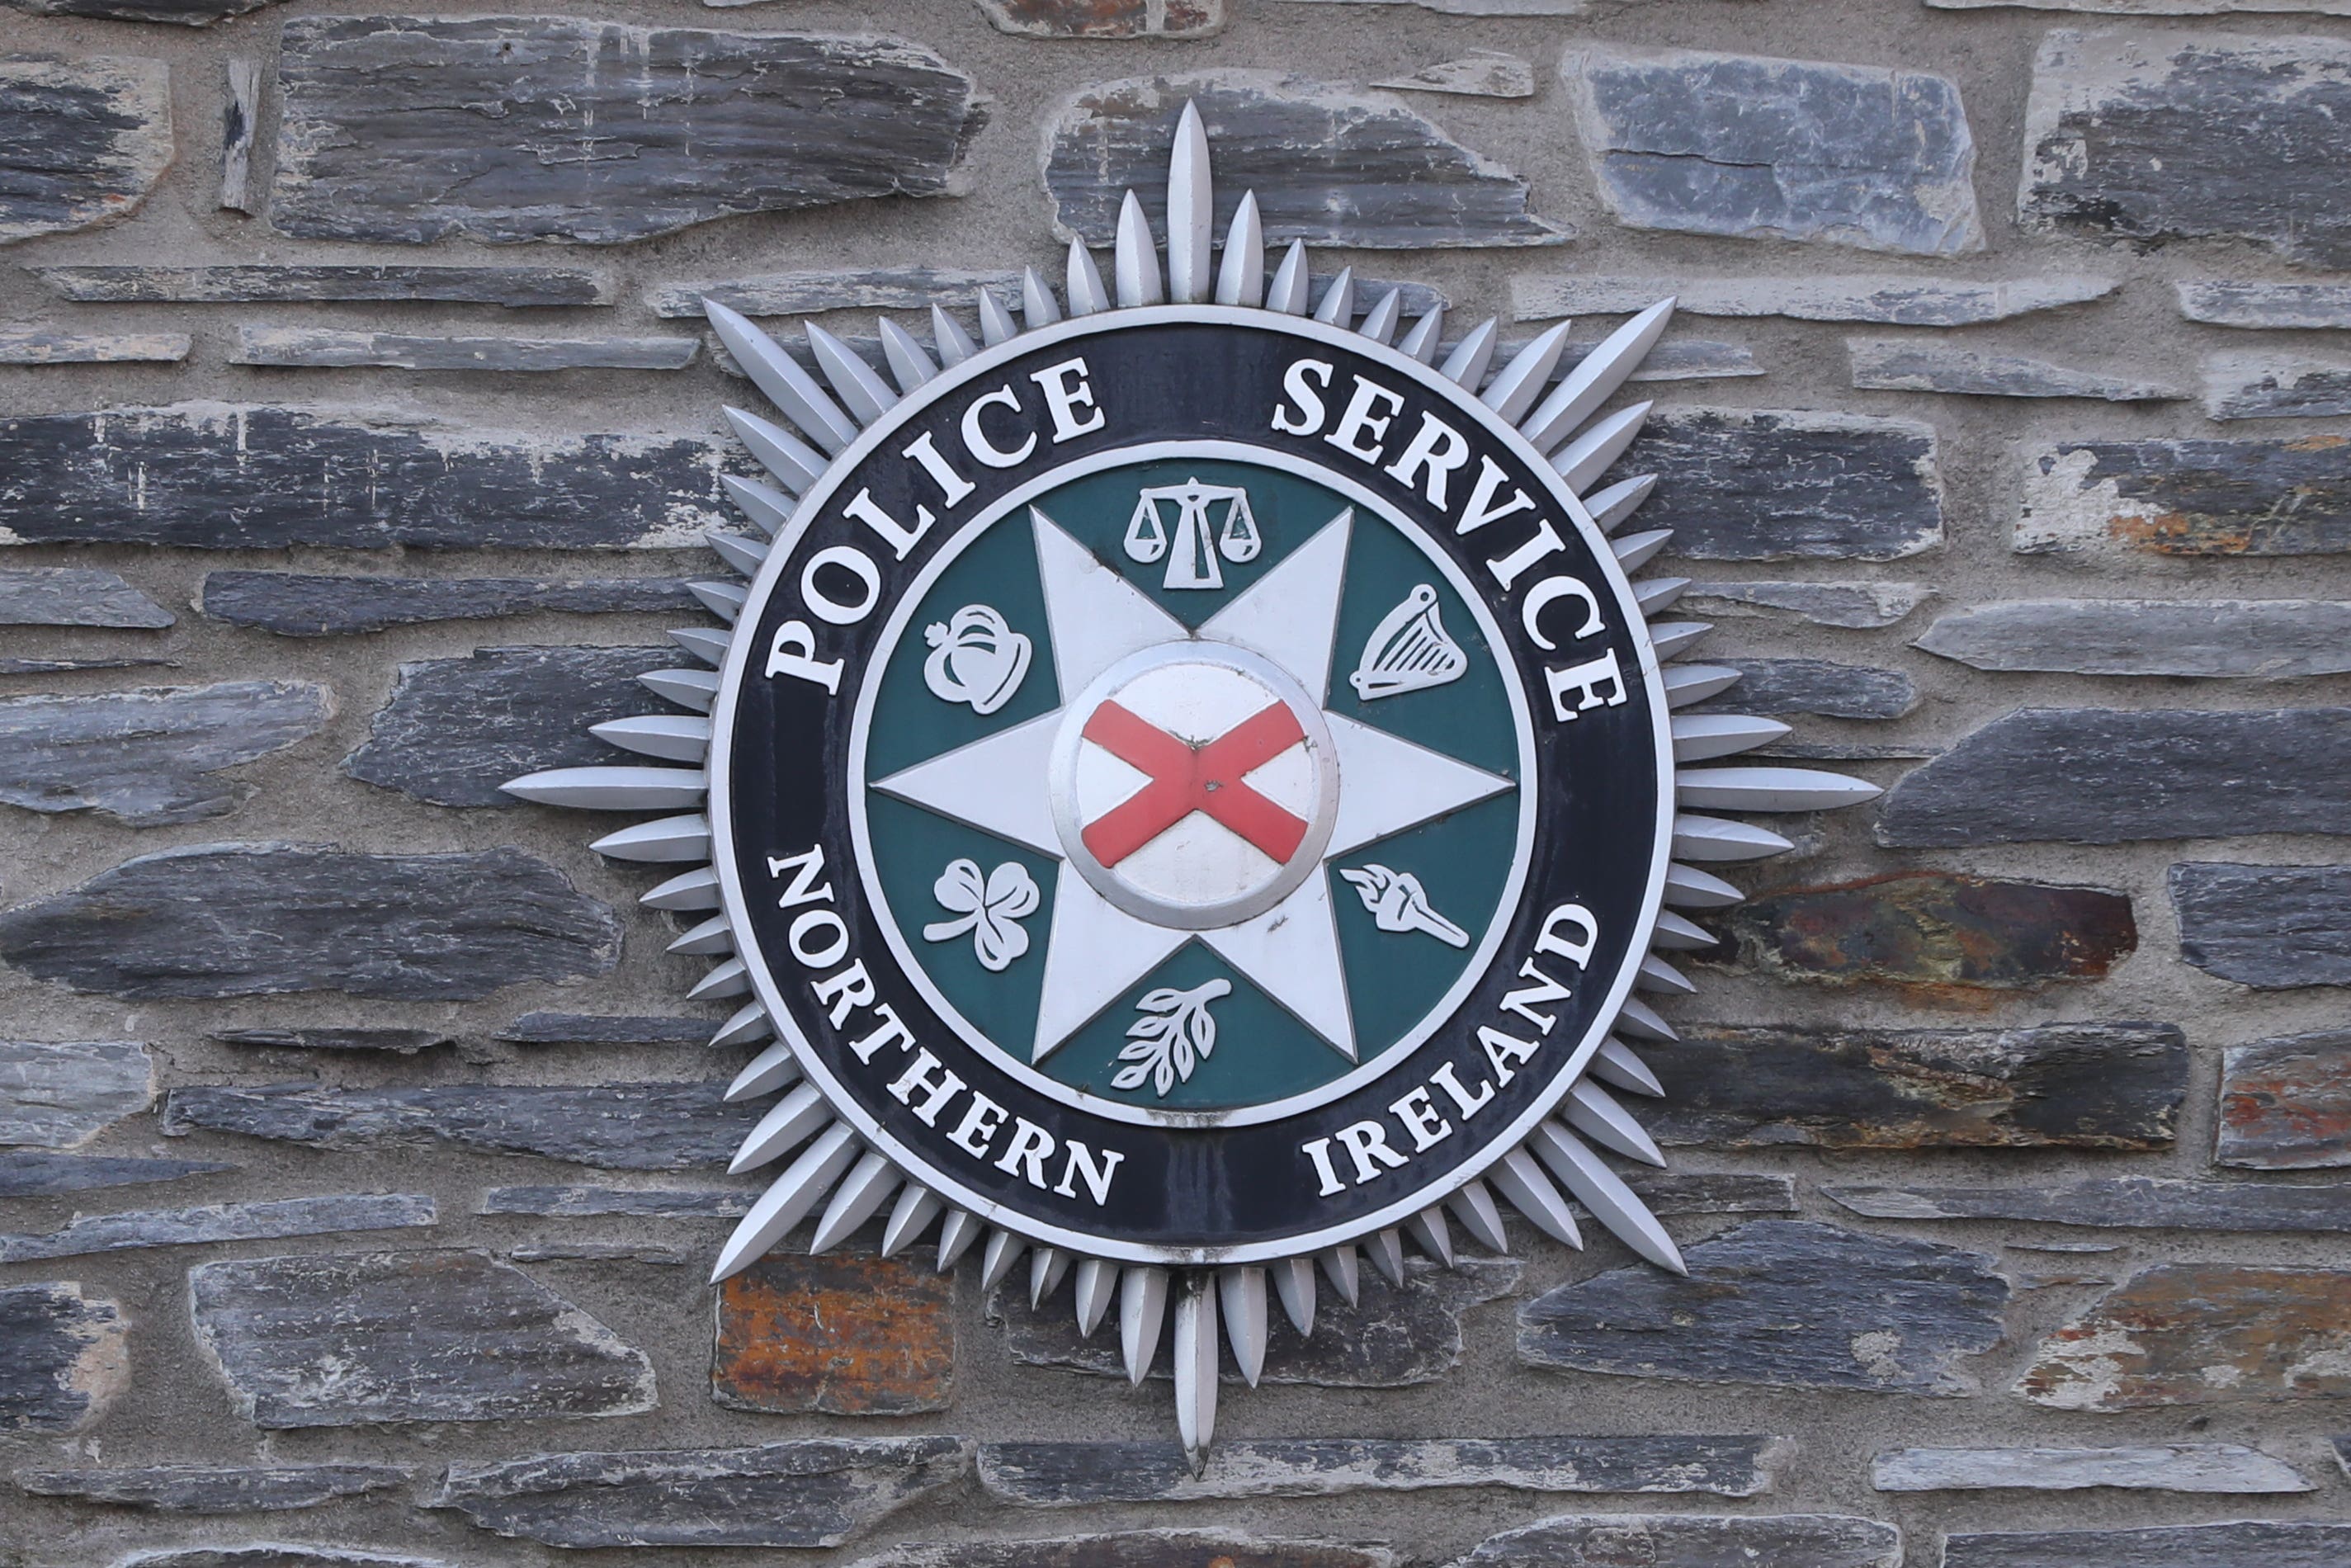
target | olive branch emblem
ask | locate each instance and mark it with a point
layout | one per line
(1175, 1035)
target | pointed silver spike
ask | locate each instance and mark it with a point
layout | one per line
(1583, 460)
(612, 788)
(1048, 1267)
(1661, 978)
(1004, 1250)
(1688, 887)
(1343, 1266)
(1338, 307)
(1087, 295)
(1387, 1251)
(1420, 343)
(957, 1231)
(1379, 323)
(912, 1215)
(1769, 788)
(1134, 259)
(910, 363)
(1196, 1367)
(1658, 593)
(695, 689)
(1520, 382)
(688, 889)
(671, 736)
(995, 323)
(1240, 1291)
(1672, 639)
(1287, 292)
(1038, 306)
(724, 599)
(1191, 211)
(740, 551)
(710, 647)
(1240, 275)
(1696, 682)
(771, 509)
(1611, 507)
(1594, 1113)
(1431, 1234)
(666, 842)
(773, 1068)
(712, 936)
(866, 1188)
(790, 1122)
(1521, 1181)
(859, 386)
(1642, 1021)
(1703, 736)
(954, 344)
(1673, 934)
(1582, 1171)
(1634, 551)
(1096, 1289)
(780, 379)
(1596, 377)
(1617, 1065)
(1294, 1281)
(784, 1205)
(1142, 1313)
(1473, 1204)
(1721, 839)
(1467, 365)
(748, 1025)
(792, 461)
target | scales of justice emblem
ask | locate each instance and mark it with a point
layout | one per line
(1183, 836)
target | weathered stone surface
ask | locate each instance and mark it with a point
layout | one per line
(604, 1029)
(74, 596)
(1783, 1302)
(818, 1491)
(2201, 1334)
(351, 1338)
(600, 1252)
(1135, 1549)
(2246, 639)
(61, 666)
(842, 1334)
(268, 1220)
(915, 288)
(1903, 365)
(272, 1554)
(216, 1488)
(1391, 1338)
(231, 476)
(413, 128)
(619, 1126)
(1481, 73)
(655, 1203)
(1820, 687)
(1762, 484)
(186, 13)
(1857, 606)
(1693, 1540)
(2156, 8)
(2189, 498)
(241, 920)
(152, 757)
(2229, 303)
(2134, 136)
(2104, 776)
(81, 142)
(1772, 148)
(398, 1041)
(327, 348)
(60, 1094)
(1073, 1475)
(1473, 8)
(2166, 1467)
(1891, 301)
(2059, 1085)
(2270, 927)
(1106, 18)
(240, 112)
(1934, 928)
(2136, 1202)
(1328, 165)
(63, 1357)
(261, 282)
(2285, 1104)
(2268, 386)
(46, 346)
(316, 604)
(456, 729)
(2231, 1545)
(1714, 1192)
(33, 1172)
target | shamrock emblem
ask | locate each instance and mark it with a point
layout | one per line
(1175, 1035)
(990, 910)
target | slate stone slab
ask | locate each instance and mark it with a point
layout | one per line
(618, 1126)
(1934, 928)
(354, 1338)
(1329, 166)
(74, 596)
(1135, 1549)
(842, 1334)
(317, 604)
(241, 920)
(270, 283)
(2238, 639)
(81, 142)
(657, 1203)
(268, 1220)
(1106, 18)
(2232, 302)
(602, 1028)
(1391, 1338)
(60, 1094)
(1765, 484)
(324, 348)
(2271, 1545)
(2135, 1202)
(2104, 776)
(2156, 7)
(33, 1173)
(186, 13)
(396, 1041)
(818, 1491)
(1820, 687)
(2201, 1334)
(1788, 1303)
(601, 1252)
(1481, 73)
(913, 288)
(1076, 1475)
(64, 667)
(239, 114)
(272, 1554)
(150, 757)
(44, 346)
(456, 729)
(2137, 136)
(2058, 1085)
(2189, 498)
(2285, 1104)
(2269, 926)
(1693, 1540)
(1890, 301)
(1854, 606)
(406, 129)
(2164, 1467)
(63, 1357)
(2268, 386)
(216, 1488)
(211, 476)
(1666, 1193)
(1903, 365)
(1771, 149)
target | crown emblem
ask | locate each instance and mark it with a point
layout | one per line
(976, 658)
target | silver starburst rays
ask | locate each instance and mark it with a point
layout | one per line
(1556, 1178)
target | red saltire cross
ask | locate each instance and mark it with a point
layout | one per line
(1184, 779)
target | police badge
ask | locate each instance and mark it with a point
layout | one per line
(1191, 790)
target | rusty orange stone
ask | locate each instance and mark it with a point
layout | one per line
(839, 1335)
(2285, 1105)
(2201, 1333)
(1932, 928)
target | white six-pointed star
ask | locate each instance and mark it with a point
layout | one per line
(1193, 784)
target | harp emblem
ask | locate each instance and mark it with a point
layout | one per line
(1408, 650)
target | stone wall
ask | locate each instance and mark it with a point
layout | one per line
(361, 1164)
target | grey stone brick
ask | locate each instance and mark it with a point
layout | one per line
(48, 346)
(84, 141)
(2188, 1334)
(1902, 365)
(606, 1029)
(63, 1357)
(2232, 302)
(74, 596)
(2275, 386)
(149, 757)
(395, 1042)
(2166, 1467)
(2270, 927)
(1693, 1540)
(215, 1489)
(1891, 301)
(1106, 18)
(60, 1094)
(317, 604)
(1767, 485)
(289, 283)
(2243, 639)
(2285, 1104)
(1856, 606)
(185, 12)
(2272, 1545)
(2146, 1203)
(33, 1172)
(652, 1203)
(328, 348)
(1820, 687)
(1135, 1549)
(1484, 73)
(268, 1220)
(2187, 497)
